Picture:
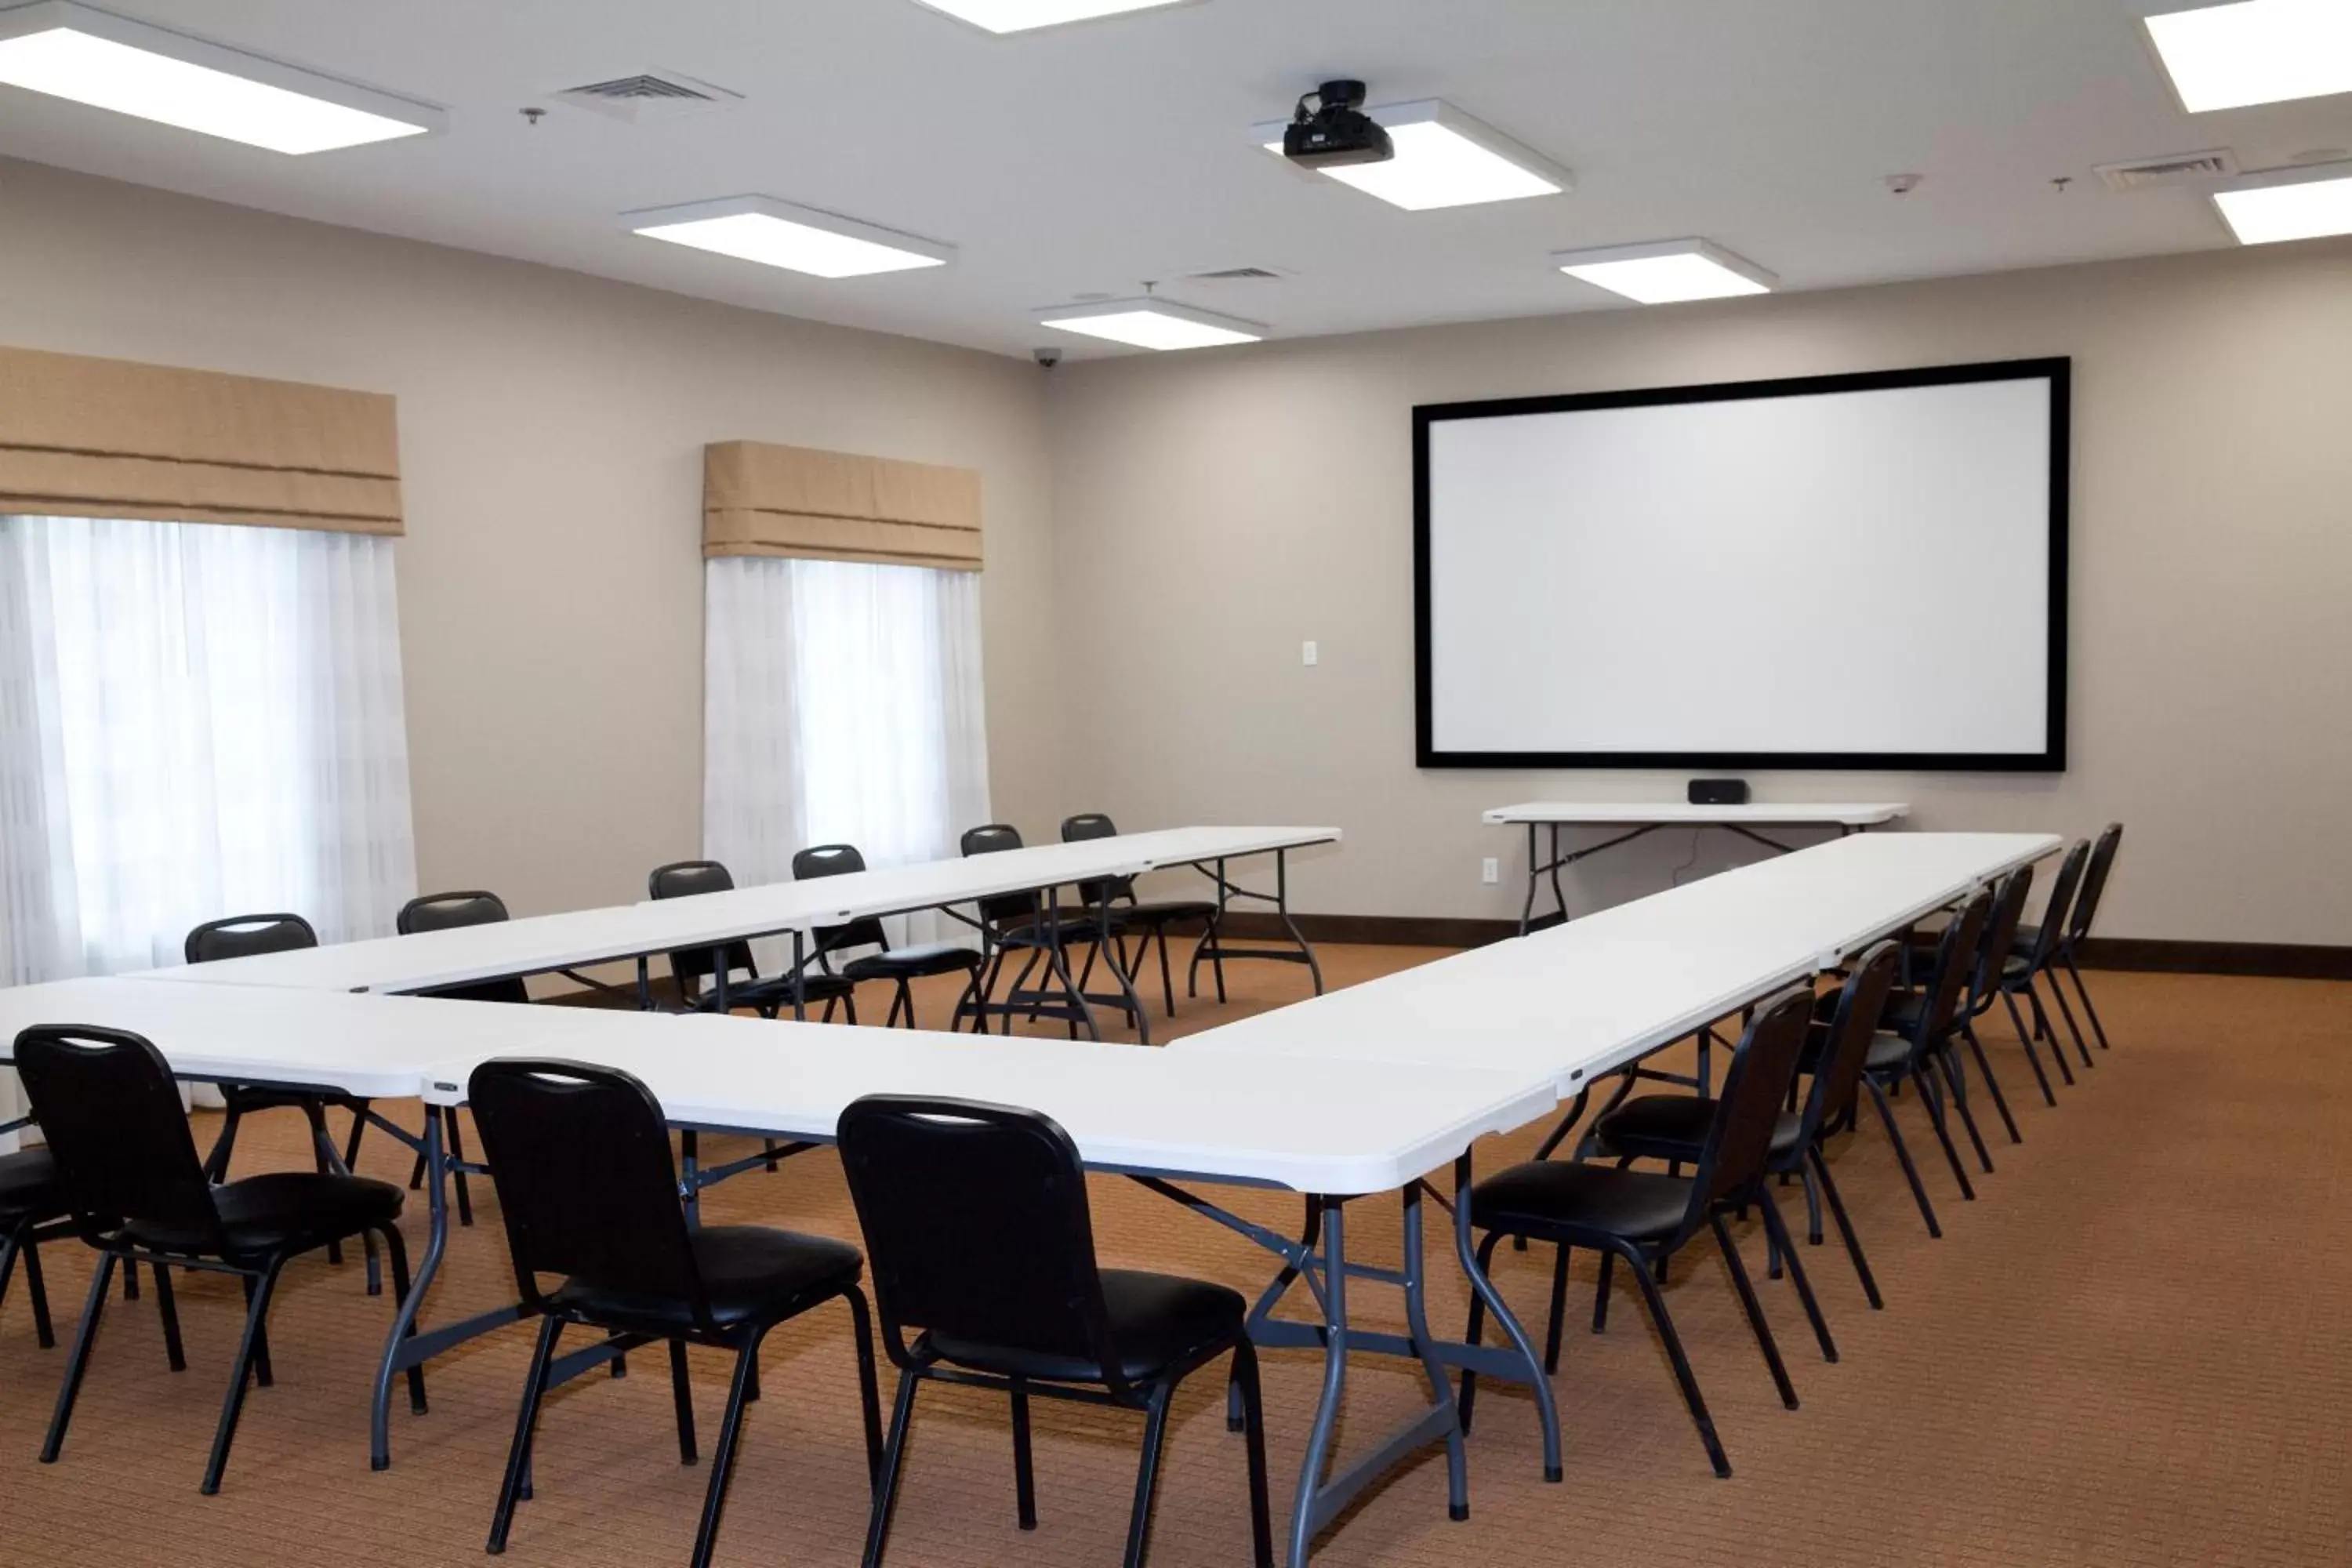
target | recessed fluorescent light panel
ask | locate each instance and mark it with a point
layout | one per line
(1022, 15)
(2308, 203)
(1443, 159)
(106, 61)
(2257, 51)
(797, 238)
(1153, 323)
(1666, 273)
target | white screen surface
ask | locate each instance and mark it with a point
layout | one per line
(1841, 575)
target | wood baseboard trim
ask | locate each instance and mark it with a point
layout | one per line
(2285, 961)
(2273, 960)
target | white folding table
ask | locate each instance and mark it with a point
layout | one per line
(430, 961)
(1639, 818)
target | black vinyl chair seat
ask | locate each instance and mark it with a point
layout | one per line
(1673, 1127)
(1159, 1322)
(1627, 1205)
(913, 963)
(774, 992)
(751, 1273)
(283, 1211)
(1888, 1054)
(28, 1187)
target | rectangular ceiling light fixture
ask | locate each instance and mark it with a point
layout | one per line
(2256, 51)
(1667, 272)
(1024, 16)
(93, 56)
(1443, 159)
(797, 238)
(2307, 203)
(1153, 323)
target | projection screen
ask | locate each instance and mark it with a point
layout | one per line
(1836, 572)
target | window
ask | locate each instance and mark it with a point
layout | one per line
(841, 705)
(196, 719)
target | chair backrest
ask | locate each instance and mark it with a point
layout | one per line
(1755, 1085)
(2094, 882)
(1956, 957)
(1094, 824)
(838, 860)
(1999, 936)
(115, 1126)
(1847, 1038)
(581, 1161)
(989, 840)
(976, 1227)
(242, 936)
(2060, 911)
(686, 880)
(448, 912)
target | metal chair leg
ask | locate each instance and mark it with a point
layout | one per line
(36, 1289)
(2085, 993)
(1903, 1154)
(1024, 1473)
(169, 1309)
(681, 1392)
(1755, 1310)
(1245, 1378)
(1976, 1046)
(2032, 1057)
(2043, 1028)
(1558, 1308)
(868, 1399)
(1932, 1098)
(1776, 1229)
(251, 1353)
(1655, 1301)
(1600, 1293)
(1147, 1476)
(85, 1336)
(1845, 1228)
(894, 1455)
(722, 1454)
(1950, 1066)
(534, 1388)
(217, 1162)
(456, 1141)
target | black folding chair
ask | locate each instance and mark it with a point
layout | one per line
(983, 1246)
(2032, 954)
(242, 936)
(1645, 1218)
(128, 1173)
(2008, 898)
(1914, 1045)
(581, 1161)
(899, 967)
(1043, 932)
(1674, 1127)
(450, 912)
(1152, 919)
(697, 970)
(2069, 951)
(31, 1212)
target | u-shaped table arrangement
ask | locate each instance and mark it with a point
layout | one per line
(1341, 1098)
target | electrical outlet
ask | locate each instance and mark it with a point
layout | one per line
(1490, 869)
(1307, 653)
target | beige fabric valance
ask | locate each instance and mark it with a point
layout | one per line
(105, 437)
(759, 500)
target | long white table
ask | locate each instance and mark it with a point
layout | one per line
(1156, 1116)
(431, 961)
(1640, 818)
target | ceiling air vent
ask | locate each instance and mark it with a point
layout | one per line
(649, 95)
(2178, 169)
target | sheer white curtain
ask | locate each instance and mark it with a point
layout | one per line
(841, 704)
(195, 720)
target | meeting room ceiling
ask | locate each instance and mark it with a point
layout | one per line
(1088, 159)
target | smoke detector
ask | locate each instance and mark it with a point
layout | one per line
(645, 96)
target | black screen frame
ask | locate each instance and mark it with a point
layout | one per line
(2057, 370)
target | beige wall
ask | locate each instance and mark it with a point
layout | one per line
(551, 428)
(1213, 511)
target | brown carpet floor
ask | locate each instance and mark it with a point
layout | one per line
(2131, 1350)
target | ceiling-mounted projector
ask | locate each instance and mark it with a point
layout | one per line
(1337, 132)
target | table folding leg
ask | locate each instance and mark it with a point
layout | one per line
(1213, 949)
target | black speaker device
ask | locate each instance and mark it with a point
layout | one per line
(1719, 792)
